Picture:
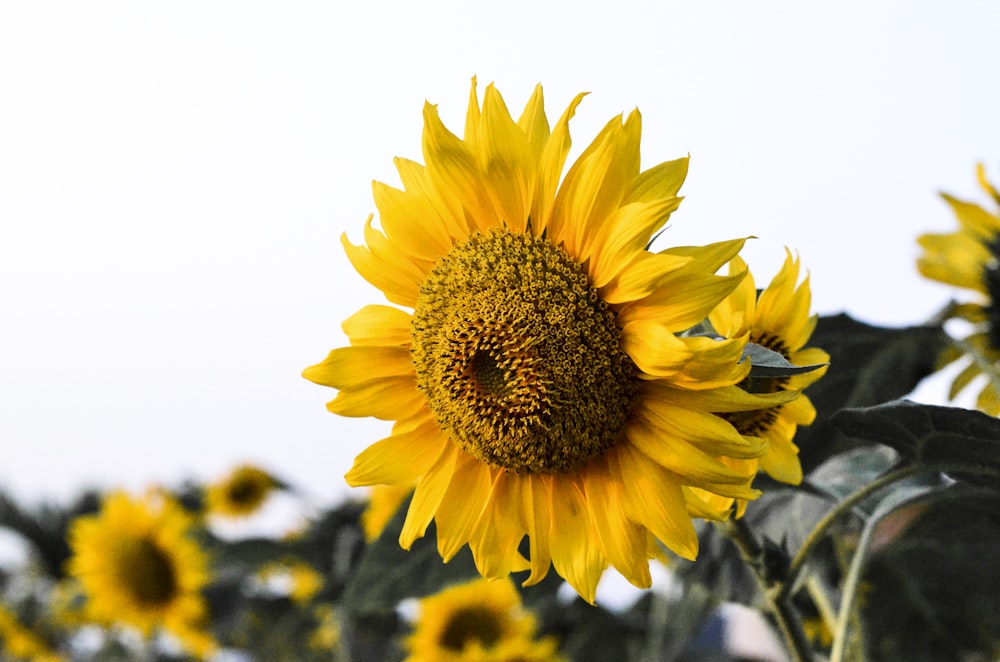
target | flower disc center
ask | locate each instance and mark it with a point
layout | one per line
(519, 357)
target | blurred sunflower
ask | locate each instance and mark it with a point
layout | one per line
(139, 565)
(19, 642)
(540, 386)
(481, 620)
(242, 493)
(778, 319)
(970, 258)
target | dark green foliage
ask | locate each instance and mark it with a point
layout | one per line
(869, 365)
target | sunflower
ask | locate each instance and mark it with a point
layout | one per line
(778, 319)
(139, 566)
(541, 386)
(481, 620)
(970, 258)
(242, 493)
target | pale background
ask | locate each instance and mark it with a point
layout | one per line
(174, 178)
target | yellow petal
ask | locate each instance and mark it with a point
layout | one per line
(396, 276)
(708, 432)
(576, 555)
(627, 231)
(454, 171)
(388, 399)
(447, 210)
(661, 181)
(680, 457)
(550, 168)
(536, 494)
(378, 325)
(682, 300)
(427, 496)
(401, 458)
(500, 530)
(652, 496)
(462, 505)
(411, 222)
(623, 541)
(534, 123)
(507, 162)
(348, 367)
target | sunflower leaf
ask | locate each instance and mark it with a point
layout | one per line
(964, 444)
(768, 363)
(952, 609)
(869, 365)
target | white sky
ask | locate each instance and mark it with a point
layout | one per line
(174, 178)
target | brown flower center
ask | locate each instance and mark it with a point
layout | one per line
(518, 356)
(147, 573)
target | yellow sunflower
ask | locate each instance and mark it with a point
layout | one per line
(777, 318)
(970, 258)
(19, 642)
(383, 503)
(139, 566)
(477, 621)
(541, 386)
(242, 493)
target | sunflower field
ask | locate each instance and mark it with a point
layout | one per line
(603, 447)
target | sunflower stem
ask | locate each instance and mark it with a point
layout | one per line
(756, 557)
(797, 565)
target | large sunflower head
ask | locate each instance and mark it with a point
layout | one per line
(776, 318)
(481, 620)
(241, 493)
(969, 258)
(139, 565)
(536, 366)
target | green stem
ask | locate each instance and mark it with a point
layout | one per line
(753, 554)
(823, 526)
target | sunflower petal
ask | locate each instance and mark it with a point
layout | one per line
(427, 496)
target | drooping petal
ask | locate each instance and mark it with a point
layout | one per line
(623, 541)
(500, 530)
(576, 555)
(536, 505)
(652, 496)
(427, 496)
(681, 457)
(462, 505)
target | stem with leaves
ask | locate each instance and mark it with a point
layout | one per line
(757, 558)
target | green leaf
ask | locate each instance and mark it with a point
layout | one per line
(869, 365)
(963, 443)
(768, 363)
(932, 593)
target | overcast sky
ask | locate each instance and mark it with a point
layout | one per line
(174, 178)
